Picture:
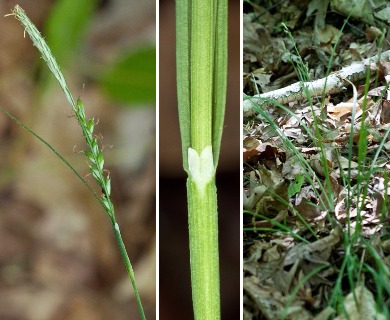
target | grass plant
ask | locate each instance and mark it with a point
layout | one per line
(201, 56)
(362, 260)
(94, 153)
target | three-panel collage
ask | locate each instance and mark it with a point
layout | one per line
(195, 159)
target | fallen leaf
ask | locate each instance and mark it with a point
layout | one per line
(360, 305)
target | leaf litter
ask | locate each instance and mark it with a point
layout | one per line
(302, 198)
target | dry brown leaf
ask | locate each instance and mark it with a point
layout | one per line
(308, 210)
(328, 34)
(385, 112)
(305, 251)
(272, 303)
(363, 308)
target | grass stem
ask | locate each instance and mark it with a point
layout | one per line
(201, 55)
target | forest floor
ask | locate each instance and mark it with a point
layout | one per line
(316, 182)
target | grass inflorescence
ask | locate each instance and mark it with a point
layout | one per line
(94, 153)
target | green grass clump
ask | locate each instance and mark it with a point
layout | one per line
(362, 260)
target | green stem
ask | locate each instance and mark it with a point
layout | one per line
(129, 268)
(201, 55)
(203, 230)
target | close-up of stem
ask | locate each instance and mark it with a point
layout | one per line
(94, 154)
(201, 59)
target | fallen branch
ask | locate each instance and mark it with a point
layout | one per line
(334, 83)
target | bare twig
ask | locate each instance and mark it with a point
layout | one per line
(334, 83)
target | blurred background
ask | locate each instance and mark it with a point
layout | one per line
(174, 279)
(58, 255)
